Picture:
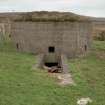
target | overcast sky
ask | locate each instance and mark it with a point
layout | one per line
(85, 7)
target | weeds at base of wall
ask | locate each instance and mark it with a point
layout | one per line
(6, 43)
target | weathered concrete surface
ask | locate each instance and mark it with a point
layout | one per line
(69, 38)
(39, 62)
(2, 28)
(5, 26)
(64, 64)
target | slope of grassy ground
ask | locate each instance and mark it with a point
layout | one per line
(98, 45)
(20, 85)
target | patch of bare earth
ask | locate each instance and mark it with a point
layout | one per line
(63, 79)
(63, 76)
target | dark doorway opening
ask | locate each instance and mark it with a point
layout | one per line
(85, 47)
(51, 49)
(17, 45)
(9, 36)
(51, 64)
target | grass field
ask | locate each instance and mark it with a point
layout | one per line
(20, 85)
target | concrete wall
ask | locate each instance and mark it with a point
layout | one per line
(69, 38)
(2, 28)
(2, 31)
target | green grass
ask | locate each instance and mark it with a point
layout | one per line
(99, 45)
(5, 44)
(20, 85)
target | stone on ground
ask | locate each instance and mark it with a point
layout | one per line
(84, 101)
